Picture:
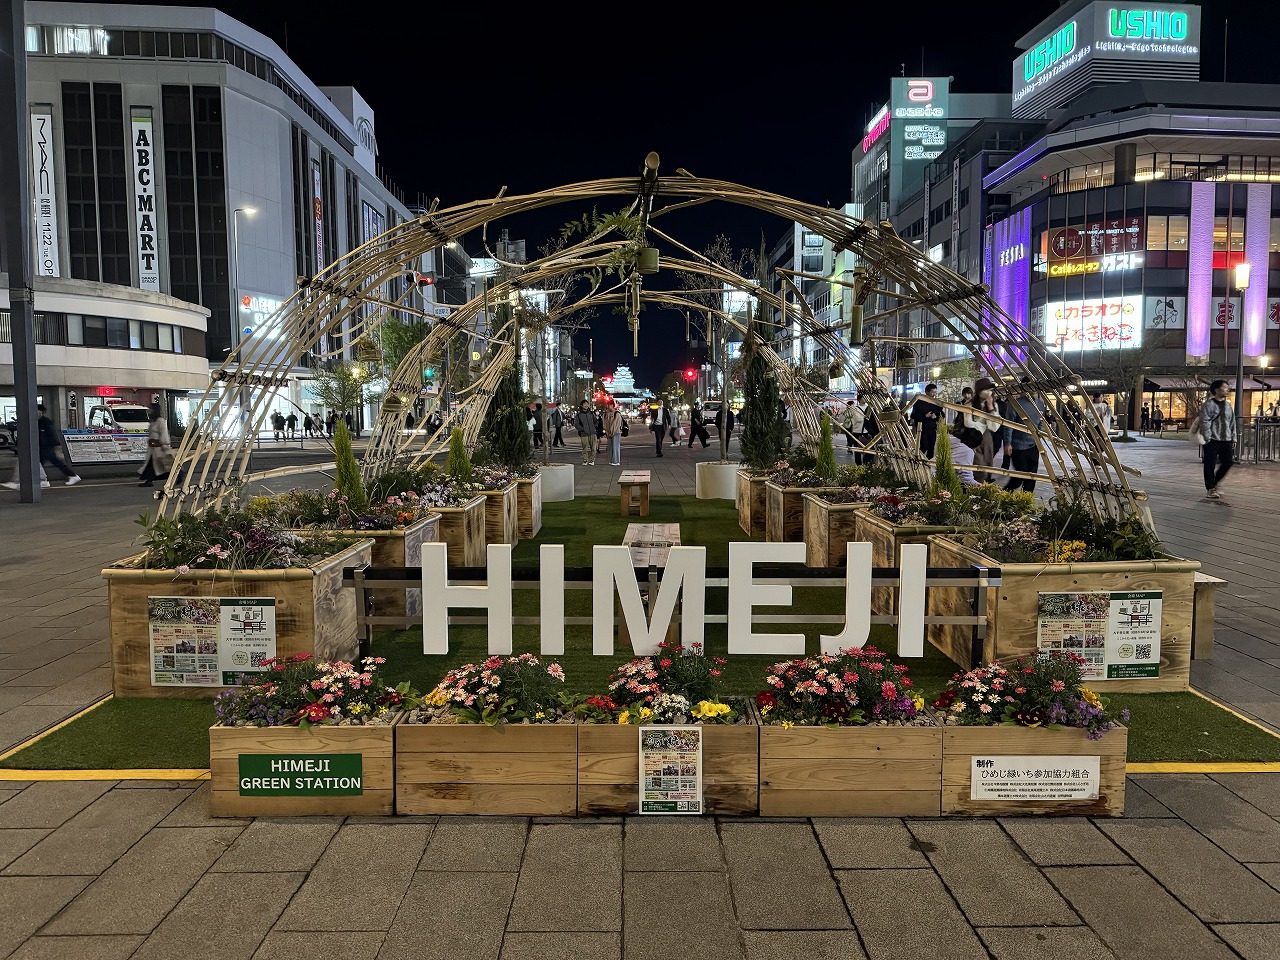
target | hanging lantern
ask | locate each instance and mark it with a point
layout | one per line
(647, 260)
(367, 351)
(906, 358)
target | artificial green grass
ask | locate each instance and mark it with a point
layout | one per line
(123, 735)
(1184, 727)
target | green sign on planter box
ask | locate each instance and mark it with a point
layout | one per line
(301, 774)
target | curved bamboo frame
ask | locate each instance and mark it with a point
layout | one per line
(209, 468)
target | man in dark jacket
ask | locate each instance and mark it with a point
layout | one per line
(50, 444)
(926, 414)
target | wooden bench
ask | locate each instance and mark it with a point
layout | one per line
(1203, 616)
(634, 480)
(650, 545)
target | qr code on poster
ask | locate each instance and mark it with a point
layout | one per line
(257, 657)
(1142, 651)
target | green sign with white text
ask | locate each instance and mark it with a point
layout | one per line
(301, 774)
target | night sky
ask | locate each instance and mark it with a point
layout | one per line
(469, 99)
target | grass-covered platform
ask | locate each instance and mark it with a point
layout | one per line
(163, 734)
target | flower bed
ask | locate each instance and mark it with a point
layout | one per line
(784, 510)
(529, 505)
(675, 686)
(492, 738)
(887, 538)
(306, 737)
(843, 735)
(1037, 711)
(752, 502)
(462, 529)
(502, 513)
(831, 521)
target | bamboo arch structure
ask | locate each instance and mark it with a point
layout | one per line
(343, 304)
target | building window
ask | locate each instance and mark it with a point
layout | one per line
(75, 329)
(117, 332)
(301, 202)
(211, 200)
(95, 331)
(135, 334)
(180, 194)
(1158, 233)
(1220, 241)
(82, 197)
(113, 184)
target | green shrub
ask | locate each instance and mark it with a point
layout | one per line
(348, 481)
(826, 461)
(458, 465)
(946, 477)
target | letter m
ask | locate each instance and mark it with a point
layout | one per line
(685, 570)
(146, 203)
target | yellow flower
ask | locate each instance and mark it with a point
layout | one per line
(787, 724)
(436, 698)
(356, 709)
(539, 715)
(624, 717)
(767, 708)
(1089, 697)
(645, 713)
(918, 701)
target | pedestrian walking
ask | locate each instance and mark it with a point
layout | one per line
(673, 426)
(291, 422)
(659, 423)
(851, 422)
(159, 449)
(1103, 410)
(925, 414)
(976, 418)
(330, 422)
(613, 433)
(557, 424)
(1021, 447)
(966, 399)
(537, 425)
(698, 428)
(50, 444)
(1215, 430)
(1157, 421)
(724, 425)
(277, 425)
(1144, 419)
(584, 421)
(308, 426)
(351, 423)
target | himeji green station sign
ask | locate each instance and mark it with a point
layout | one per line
(301, 775)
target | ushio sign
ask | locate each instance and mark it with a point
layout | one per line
(684, 576)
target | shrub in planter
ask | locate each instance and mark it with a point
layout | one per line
(845, 735)
(675, 686)
(306, 737)
(492, 738)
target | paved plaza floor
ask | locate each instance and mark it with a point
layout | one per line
(106, 869)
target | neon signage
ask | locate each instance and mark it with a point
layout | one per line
(1107, 323)
(1049, 51)
(1147, 24)
(1110, 263)
(877, 128)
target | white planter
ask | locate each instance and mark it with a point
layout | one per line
(716, 481)
(557, 482)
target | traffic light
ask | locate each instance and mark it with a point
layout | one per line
(423, 280)
(691, 374)
(429, 373)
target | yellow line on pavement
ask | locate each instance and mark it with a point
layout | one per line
(1235, 713)
(1224, 766)
(54, 729)
(146, 774)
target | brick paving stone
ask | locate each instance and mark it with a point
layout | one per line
(51, 804)
(61, 671)
(332, 900)
(967, 853)
(267, 847)
(806, 944)
(1030, 943)
(854, 844)
(1260, 789)
(561, 946)
(476, 844)
(27, 903)
(1269, 872)
(8, 795)
(447, 916)
(907, 913)
(194, 812)
(1236, 826)
(700, 913)
(12, 695)
(1213, 885)
(78, 691)
(98, 835)
(780, 878)
(571, 879)
(25, 721)
(1253, 941)
(1134, 916)
(14, 843)
(145, 884)
(81, 948)
(1139, 803)
(670, 844)
(222, 916)
(1065, 841)
(281, 945)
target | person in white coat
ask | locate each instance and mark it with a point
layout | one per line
(984, 402)
(159, 449)
(613, 433)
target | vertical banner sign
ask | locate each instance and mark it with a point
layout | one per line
(1117, 634)
(317, 204)
(955, 213)
(144, 202)
(209, 641)
(43, 179)
(671, 769)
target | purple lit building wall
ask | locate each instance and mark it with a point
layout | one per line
(1007, 266)
(1257, 239)
(1200, 272)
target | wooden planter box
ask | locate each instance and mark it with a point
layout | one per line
(401, 549)
(529, 506)
(961, 744)
(886, 538)
(524, 770)
(462, 529)
(360, 758)
(609, 768)
(827, 528)
(501, 514)
(784, 511)
(850, 771)
(1011, 609)
(314, 614)
(752, 503)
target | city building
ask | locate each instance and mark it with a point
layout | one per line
(186, 174)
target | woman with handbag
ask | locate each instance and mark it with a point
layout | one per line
(613, 424)
(984, 402)
(159, 449)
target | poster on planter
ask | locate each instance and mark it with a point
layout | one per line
(1118, 634)
(209, 641)
(671, 769)
(1034, 778)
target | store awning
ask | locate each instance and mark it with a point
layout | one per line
(1175, 383)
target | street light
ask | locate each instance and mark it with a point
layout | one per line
(235, 308)
(1241, 271)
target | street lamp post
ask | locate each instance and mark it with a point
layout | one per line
(1242, 271)
(235, 307)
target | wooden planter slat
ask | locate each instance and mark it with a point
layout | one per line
(373, 743)
(529, 506)
(961, 744)
(886, 538)
(827, 528)
(463, 530)
(752, 503)
(314, 613)
(609, 768)
(850, 771)
(502, 514)
(1012, 609)
(512, 769)
(401, 549)
(784, 511)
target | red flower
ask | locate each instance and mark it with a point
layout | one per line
(888, 690)
(714, 672)
(766, 699)
(664, 663)
(316, 712)
(300, 658)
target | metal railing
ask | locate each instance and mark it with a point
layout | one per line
(978, 579)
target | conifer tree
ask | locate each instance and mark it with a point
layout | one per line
(826, 466)
(764, 433)
(506, 429)
(458, 466)
(348, 481)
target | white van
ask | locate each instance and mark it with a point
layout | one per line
(118, 418)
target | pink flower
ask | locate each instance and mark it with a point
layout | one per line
(888, 690)
(664, 663)
(556, 671)
(985, 708)
(183, 569)
(1057, 686)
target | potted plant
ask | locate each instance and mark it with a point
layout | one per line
(764, 437)
(506, 433)
(492, 738)
(165, 644)
(1038, 711)
(785, 489)
(675, 686)
(305, 737)
(844, 735)
(502, 503)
